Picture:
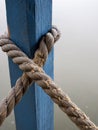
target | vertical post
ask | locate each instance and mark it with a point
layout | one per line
(27, 21)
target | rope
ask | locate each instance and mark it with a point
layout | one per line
(34, 73)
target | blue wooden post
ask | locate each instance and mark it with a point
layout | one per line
(27, 21)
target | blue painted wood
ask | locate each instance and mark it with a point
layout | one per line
(27, 21)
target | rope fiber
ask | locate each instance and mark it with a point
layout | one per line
(33, 72)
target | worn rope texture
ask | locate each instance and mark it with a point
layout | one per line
(35, 73)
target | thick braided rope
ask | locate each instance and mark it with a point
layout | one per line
(24, 82)
(38, 75)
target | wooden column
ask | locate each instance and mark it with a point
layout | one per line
(27, 21)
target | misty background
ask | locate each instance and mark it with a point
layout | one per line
(76, 58)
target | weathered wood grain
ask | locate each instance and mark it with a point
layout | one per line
(27, 21)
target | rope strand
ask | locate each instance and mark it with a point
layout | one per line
(34, 72)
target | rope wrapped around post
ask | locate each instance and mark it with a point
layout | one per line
(34, 73)
(23, 83)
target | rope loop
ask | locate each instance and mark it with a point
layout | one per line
(33, 72)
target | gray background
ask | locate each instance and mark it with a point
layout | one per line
(76, 58)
